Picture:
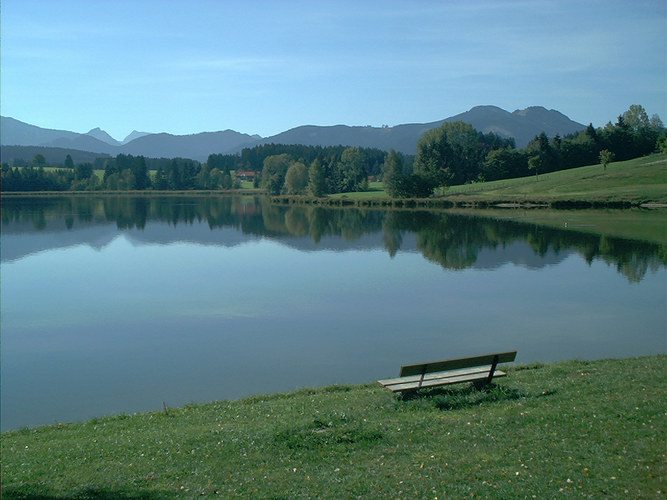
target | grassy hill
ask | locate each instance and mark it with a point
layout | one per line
(571, 429)
(640, 180)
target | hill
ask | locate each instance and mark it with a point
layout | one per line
(17, 133)
(642, 180)
(83, 142)
(523, 125)
(54, 156)
(195, 146)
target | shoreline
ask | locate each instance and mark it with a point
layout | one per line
(454, 201)
(573, 428)
(509, 368)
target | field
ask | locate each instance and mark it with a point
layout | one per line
(572, 429)
(640, 180)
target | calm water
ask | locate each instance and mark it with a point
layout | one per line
(116, 305)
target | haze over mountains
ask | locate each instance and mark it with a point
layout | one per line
(523, 125)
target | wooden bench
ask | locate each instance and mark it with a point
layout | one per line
(478, 369)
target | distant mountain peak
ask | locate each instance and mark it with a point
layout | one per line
(101, 135)
(487, 107)
(135, 134)
(529, 109)
(537, 111)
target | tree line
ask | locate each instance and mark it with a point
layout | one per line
(122, 173)
(338, 168)
(453, 154)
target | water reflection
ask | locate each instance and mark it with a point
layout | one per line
(117, 304)
(453, 241)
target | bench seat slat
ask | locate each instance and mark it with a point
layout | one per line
(407, 383)
(439, 375)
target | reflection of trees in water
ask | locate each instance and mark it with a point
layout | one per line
(451, 240)
(631, 260)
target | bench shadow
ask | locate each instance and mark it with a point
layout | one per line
(462, 397)
(32, 493)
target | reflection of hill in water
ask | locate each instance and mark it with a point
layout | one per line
(21, 242)
(519, 254)
(452, 241)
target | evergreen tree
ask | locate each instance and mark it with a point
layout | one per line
(393, 173)
(316, 180)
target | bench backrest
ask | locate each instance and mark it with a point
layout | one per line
(457, 364)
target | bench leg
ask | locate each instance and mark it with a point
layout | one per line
(481, 383)
(492, 370)
(421, 380)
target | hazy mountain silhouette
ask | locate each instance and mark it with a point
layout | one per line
(101, 135)
(523, 125)
(83, 142)
(17, 133)
(53, 156)
(195, 146)
(135, 134)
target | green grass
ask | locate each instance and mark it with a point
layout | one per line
(639, 180)
(573, 429)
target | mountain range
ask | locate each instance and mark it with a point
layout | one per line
(523, 125)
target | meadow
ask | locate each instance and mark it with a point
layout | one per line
(593, 429)
(641, 180)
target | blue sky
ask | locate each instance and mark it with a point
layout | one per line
(262, 67)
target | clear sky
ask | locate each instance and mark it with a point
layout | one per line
(262, 67)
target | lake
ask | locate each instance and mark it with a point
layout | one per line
(120, 304)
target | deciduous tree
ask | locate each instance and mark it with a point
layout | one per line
(274, 171)
(535, 163)
(39, 160)
(353, 171)
(296, 178)
(606, 157)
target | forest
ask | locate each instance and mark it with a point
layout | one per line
(453, 154)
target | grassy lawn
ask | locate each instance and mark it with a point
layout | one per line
(572, 429)
(639, 180)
